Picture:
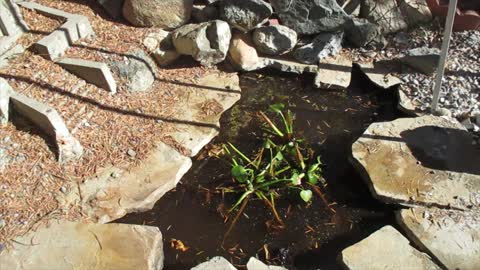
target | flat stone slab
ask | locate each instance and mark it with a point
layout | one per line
(453, 237)
(386, 249)
(334, 73)
(216, 263)
(95, 73)
(116, 192)
(71, 246)
(213, 95)
(288, 65)
(256, 264)
(420, 161)
(54, 45)
(47, 119)
(379, 74)
(406, 105)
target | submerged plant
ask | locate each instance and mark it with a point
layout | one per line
(284, 162)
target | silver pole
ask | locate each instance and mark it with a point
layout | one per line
(452, 8)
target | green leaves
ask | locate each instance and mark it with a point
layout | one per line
(306, 195)
(277, 108)
(240, 173)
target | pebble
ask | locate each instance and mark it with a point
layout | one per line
(63, 189)
(131, 153)
(2, 223)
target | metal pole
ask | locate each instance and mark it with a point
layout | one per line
(452, 8)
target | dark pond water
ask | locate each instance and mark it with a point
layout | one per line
(314, 236)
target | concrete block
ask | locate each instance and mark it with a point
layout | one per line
(84, 27)
(95, 73)
(47, 11)
(9, 24)
(48, 120)
(5, 91)
(54, 45)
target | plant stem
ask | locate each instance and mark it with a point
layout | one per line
(234, 221)
(274, 127)
(320, 194)
(272, 207)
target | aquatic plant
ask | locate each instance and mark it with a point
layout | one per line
(284, 162)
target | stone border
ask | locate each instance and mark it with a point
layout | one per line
(54, 45)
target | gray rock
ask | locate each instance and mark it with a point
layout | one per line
(131, 153)
(385, 13)
(159, 44)
(334, 73)
(386, 249)
(205, 13)
(245, 14)
(310, 16)
(4, 160)
(449, 235)
(361, 32)
(423, 59)
(415, 12)
(138, 70)
(112, 7)
(207, 42)
(216, 263)
(425, 160)
(324, 45)
(275, 39)
(158, 13)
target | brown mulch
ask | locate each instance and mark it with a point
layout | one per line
(106, 125)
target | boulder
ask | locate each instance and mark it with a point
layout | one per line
(415, 12)
(205, 13)
(160, 46)
(275, 39)
(158, 13)
(245, 14)
(138, 70)
(427, 161)
(207, 42)
(361, 32)
(423, 59)
(112, 7)
(242, 53)
(216, 263)
(449, 235)
(68, 246)
(324, 45)
(386, 249)
(385, 13)
(310, 16)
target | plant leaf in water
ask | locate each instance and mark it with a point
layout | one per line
(240, 173)
(306, 195)
(277, 108)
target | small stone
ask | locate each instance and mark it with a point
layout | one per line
(115, 175)
(324, 45)
(63, 190)
(2, 223)
(131, 153)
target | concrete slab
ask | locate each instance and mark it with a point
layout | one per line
(287, 65)
(379, 74)
(48, 120)
(47, 11)
(54, 45)
(69, 246)
(5, 92)
(95, 73)
(10, 24)
(386, 249)
(116, 192)
(451, 236)
(427, 161)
